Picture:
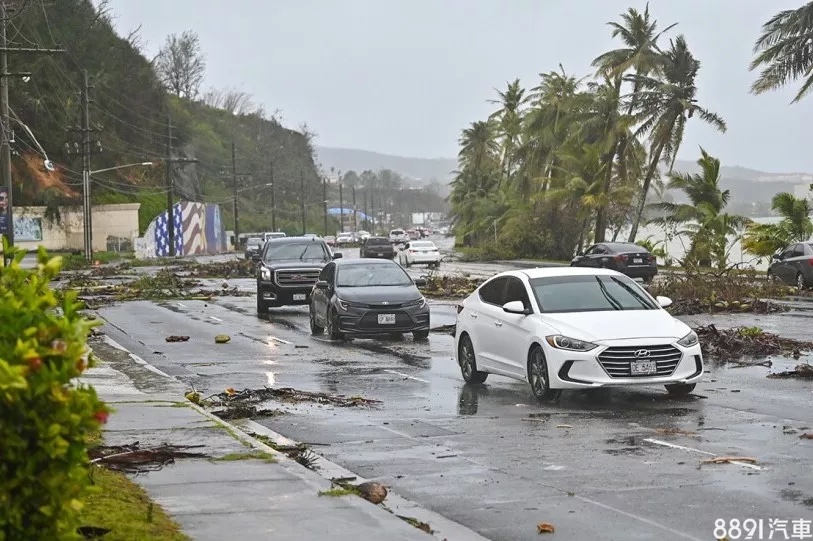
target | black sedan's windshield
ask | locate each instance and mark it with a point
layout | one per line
(295, 252)
(370, 275)
(590, 294)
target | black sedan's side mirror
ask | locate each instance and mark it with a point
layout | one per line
(420, 282)
(777, 257)
(321, 284)
(337, 256)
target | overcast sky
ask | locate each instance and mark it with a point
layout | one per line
(405, 76)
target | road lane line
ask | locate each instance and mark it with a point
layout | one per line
(645, 520)
(693, 450)
(406, 376)
(215, 318)
(280, 340)
(181, 305)
(135, 357)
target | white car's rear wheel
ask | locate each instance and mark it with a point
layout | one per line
(468, 362)
(538, 377)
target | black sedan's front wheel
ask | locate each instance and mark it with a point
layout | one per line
(333, 331)
(316, 329)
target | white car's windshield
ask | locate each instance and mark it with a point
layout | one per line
(427, 244)
(254, 242)
(295, 251)
(590, 294)
(361, 275)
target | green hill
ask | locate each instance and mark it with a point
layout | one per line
(129, 113)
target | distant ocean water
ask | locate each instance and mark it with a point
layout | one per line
(677, 247)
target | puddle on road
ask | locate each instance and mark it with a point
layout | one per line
(797, 496)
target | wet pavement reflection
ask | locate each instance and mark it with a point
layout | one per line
(600, 464)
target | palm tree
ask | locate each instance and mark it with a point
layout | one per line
(764, 240)
(706, 223)
(785, 51)
(509, 124)
(664, 105)
(639, 32)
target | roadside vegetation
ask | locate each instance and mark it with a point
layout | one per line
(577, 160)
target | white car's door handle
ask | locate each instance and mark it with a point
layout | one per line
(498, 323)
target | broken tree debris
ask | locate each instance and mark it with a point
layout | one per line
(742, 342)
(545, 527)
(449, 286)
(423, 526)
(236, 268)
(175, 338)
(289, 394)
(372, 492)
(222, 338)
(131, 458)
(803, 371)
(244, 411)
(730, 460)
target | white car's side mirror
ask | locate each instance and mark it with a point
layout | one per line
(665, 302)
(514, 307)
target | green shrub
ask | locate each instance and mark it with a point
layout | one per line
(46, 419)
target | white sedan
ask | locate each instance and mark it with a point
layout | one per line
(419, 252)
(574, 328)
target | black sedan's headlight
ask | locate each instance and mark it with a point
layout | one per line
(347, 305)
(420, 303)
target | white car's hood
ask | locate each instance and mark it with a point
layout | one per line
(617, 325)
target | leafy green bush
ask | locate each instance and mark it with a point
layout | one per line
(47, 418)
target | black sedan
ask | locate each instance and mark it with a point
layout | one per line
(625, 257)
(365, 297)
(794, 265)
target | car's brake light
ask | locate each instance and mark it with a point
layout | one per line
(621, 257)
(459, 308)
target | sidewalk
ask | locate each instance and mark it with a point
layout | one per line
(215, 500)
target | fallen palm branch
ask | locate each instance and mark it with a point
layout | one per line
(289, 394)
(746, 342)
(131, 458)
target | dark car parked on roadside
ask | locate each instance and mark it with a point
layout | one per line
(363, 297)
(377, 247)
(794, 265)
(254, 247)
(289, 267)
(625, 257)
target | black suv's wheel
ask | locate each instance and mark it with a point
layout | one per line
(800, 281)
(333, 331)
(315, 328)
(262, 306)
(538, 377)
(468, 362)
(680, 389)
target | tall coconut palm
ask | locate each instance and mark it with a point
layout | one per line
(641, 56)
(764, 240)
(509, 124)
(665, 103)
(785, 51)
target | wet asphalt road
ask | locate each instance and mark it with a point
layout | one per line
(599, 465)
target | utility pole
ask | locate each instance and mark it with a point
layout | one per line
(170, 186)
(170, 190)
(355, 212)
(88, 213)
(372, 205)
(273, 202)
(7, 222)
(366, 208)
(234, 193)
(324, 200)
(302, 199)
(341, 207)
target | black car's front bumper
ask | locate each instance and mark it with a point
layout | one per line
(271, 293)
(365, 321)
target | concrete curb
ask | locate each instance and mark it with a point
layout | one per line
(443, 528)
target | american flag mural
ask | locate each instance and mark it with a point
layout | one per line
(198, 230)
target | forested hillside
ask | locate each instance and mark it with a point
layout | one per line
(129, 114)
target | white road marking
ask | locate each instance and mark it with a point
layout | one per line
(180, 304)
(135, 357)
(215, 318)
(280, 340)
(693, 450)
(406, 376)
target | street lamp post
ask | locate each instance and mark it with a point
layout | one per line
(88, 207)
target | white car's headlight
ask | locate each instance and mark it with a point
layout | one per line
(265, 273)
(571, 344)
(689, 340)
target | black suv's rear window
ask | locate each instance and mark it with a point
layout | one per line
(377, 241)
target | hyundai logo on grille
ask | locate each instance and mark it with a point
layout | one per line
(641, 353)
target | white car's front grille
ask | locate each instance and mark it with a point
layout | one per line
(616, 361)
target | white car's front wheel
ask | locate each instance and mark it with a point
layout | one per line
(538, 377)
(468, 362)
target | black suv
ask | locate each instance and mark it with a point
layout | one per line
(254, 247)
(289, 267)
(377, 247)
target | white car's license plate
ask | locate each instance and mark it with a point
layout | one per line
(300, 296)
(379, 254)
(638, 261)
(386, 319)
(643, 368)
